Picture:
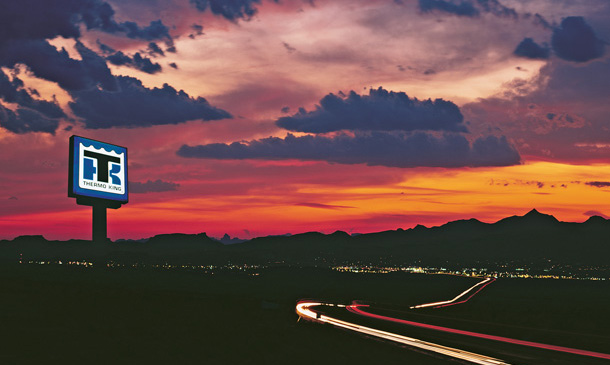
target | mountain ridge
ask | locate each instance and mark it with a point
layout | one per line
(533, 237)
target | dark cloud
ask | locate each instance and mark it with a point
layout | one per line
(593, 213)
(156, 30)
(598, 184)
(575, 40)
(100, 98)
(26, 25)
(137, 61)
(541, 21)
(381, 110)
(462, 8)
(31, 115)
(26, 120)
(322, 206)
(154, 49)
(134, 105)
(530, 49)
(171, 47)
(104, 48)
(382, 128)
(375, 148)
(577, 83)
(231, 10)
(95, 67)
(32, 19)
(119, 59)
(48, 63)
(562, 113)
(469, 8)
(39, 19)
(496, 8)
(538, 184)
(173, 65)
(150, 186)
(198, 29)
(14, 92)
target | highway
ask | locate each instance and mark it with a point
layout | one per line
(304, 311)
(355, 308)
(454, 301)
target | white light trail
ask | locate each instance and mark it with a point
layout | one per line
(304, 311)
(453, 301)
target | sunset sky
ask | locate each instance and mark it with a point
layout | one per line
(265, 117)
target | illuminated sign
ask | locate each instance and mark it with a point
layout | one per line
(97, 170)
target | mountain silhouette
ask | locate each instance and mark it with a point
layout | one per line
(531, 218)
(532, 238)
(227, 240)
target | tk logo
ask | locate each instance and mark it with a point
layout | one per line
(101, 170)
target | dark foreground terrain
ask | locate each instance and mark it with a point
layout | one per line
(63, 314)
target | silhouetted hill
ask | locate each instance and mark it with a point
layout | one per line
(227, 240)
(533, 218)
(596, 220)
(532, 238)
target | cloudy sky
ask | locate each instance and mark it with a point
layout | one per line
(257, 117)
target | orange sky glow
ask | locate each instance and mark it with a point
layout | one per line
(325, 122)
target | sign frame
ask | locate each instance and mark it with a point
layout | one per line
(96, 195)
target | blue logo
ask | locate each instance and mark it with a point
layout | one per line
(99, 170)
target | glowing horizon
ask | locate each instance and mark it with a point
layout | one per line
(266, 118)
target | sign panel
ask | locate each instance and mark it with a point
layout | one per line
(97, 170)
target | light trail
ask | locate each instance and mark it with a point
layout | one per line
(304, 311)
(354, 309)
(447, 303)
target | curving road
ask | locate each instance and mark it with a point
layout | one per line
(454, 301)
(304, 311)
(355, 309)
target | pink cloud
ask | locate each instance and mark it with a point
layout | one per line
(591, 213)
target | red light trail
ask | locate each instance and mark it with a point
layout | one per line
(303, 309)
(354, 308)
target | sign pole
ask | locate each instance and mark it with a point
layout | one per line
(100, 228)
(97, 177)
